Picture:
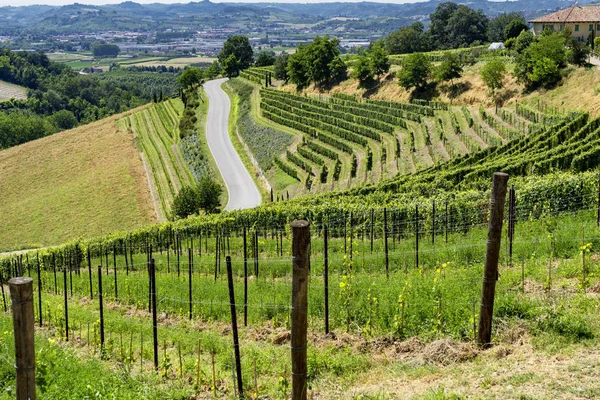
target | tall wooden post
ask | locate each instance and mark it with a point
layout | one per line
(300, 254)
(190, 272)
(234, 327)
(66, 302)
(511, 221)
(39, 285)
(89, 260)
(21, 293)
(101, 304)
(326, 275)
(416, 236)
(246, 276)
(385, 243)
(490, 273)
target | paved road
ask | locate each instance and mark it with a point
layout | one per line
(243, 193)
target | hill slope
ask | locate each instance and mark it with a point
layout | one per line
(82, 182)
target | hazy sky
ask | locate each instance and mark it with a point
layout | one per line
(101, 2)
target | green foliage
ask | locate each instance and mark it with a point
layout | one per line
(374, 62)
(369, 159)
(337, 170)
(231, 66)
(493, 73)
(265, 143)
(523, 41)
(64, 119)
(353, 166)
(505, 26)
(264, 59)
(323, 174)
(408, 39)
(191, 78)
(318, 62)
(239, 47)
(449, 69)
(540, 63)
(280, 71)
(515, 28)
(416, 71)
(105, 50)
(455, 26)
(204, 196)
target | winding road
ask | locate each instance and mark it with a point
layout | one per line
(242, 190)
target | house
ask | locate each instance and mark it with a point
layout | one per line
(583, 21)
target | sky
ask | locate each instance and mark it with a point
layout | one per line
(101, 2)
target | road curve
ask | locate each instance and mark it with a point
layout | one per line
(243, 193)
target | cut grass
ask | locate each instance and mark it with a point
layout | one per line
(11, 91)
(84, 182)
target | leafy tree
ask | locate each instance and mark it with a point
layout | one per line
(185, 203)
(497, 27)
(455, 26)
(363, 71)
(493, 73)
(281, 63)
(240, 47)
(105, 50)
(416, 71)
(523, 41)
(213, 71)
(191, 77)
(380, 62)
(540, 63)
(318, 62)
(514, 28)
(231, 66)
(449, 69)
(408, 39)
(64, 119)
(210, 195)
(264, 59)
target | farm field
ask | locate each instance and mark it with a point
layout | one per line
(409, 335)
(79, 183)
(157, 135)
(11, 91)
(181, 62)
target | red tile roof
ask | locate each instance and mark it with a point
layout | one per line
(572, 14)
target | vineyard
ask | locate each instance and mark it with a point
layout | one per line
(347, 141)
(157, 134)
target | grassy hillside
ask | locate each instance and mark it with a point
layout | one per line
(156, 131)
(11, 91)
(84, 182)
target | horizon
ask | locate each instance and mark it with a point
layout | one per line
(25, 3)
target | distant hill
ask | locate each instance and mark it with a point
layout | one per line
(205, 14)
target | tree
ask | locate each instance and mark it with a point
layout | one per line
(264, 59)
(408, 39)
(493, 73)
(318, 62)
(185, 203)
(496, 29)
(210, 195)
(455, 26)
(231, 66)
(362, 70)
(449, 69)
(523, 41)
(380, 62)
(240, 47)
(105, 50)
(281, 67)
(297, 68)
(416, 71)
(514, 28)
(64, 119)
(213, 71)
(191, 77)
(540, 63)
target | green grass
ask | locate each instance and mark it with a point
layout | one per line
(156, 129)
(84, 182)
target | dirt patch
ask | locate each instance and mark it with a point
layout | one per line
(447, 351)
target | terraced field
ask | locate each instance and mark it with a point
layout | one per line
(157, 134)
(11, 91)
(347, 141)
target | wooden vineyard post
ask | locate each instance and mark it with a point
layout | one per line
(115, 271)
(385, 244)
(300, 254)
(101, 304)
(326, 274)
(246, 276)
(372, 228)
(490, 273)
(154, 319)
(21, 294)
(234, 327)
(66, 302)
(3, 295)
(433, 222)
